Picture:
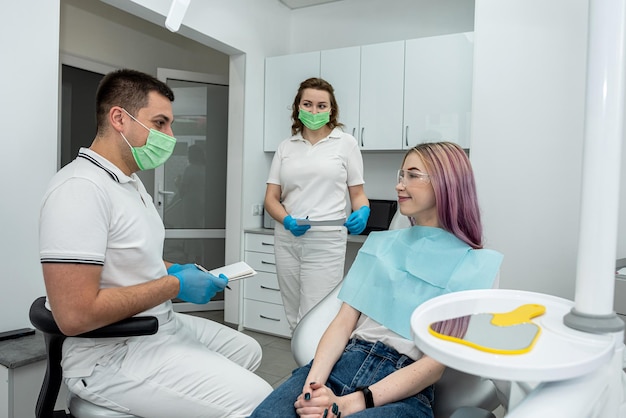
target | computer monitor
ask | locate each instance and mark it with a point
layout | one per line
(381, 214)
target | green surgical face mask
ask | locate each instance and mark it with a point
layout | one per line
(158, 148)
(313, 121)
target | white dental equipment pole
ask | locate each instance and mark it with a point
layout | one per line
(603, 135)
(601, 393)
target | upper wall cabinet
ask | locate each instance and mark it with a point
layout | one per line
(342, 68)
(438, 89)
(382, 88)
(368, 83)
(283, 76)
(391, 95)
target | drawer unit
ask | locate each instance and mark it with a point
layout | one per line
(260, 243)
(261, 261)
(262, 303)
(263, 287)
(265, 317)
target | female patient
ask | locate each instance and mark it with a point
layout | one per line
(366, 364)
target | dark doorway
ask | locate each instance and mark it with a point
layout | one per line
(78, 110)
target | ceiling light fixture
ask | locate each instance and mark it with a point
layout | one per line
(176, 14)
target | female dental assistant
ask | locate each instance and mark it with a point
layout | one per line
(308, 179)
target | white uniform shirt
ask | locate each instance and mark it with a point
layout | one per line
(314, 178)
(92, 213)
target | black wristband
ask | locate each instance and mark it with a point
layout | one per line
(367, 394)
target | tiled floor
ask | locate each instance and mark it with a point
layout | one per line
(277, 363)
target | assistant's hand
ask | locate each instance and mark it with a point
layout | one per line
(175, 268)
(291, 225)
(197, 286)
(358, 220)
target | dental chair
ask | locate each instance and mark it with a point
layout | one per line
(42, 319)
(457, 394)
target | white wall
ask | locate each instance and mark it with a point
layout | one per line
(361, 22)
(527, 137)
(241, 29)
(96, 31)
(29, 84)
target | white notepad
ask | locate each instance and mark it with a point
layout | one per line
(235, 271)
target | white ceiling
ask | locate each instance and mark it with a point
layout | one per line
(297, 4)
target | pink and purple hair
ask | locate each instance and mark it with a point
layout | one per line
(452, 178)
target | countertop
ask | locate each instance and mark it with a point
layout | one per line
(22, 351)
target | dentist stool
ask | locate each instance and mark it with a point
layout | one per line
(42, 319)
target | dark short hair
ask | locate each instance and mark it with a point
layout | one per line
(128, 89)
(316, 84)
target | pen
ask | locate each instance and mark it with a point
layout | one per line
(207, 271)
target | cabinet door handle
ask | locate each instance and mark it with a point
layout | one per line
(406, 135)
(353, 130)
(267, 243)
(269, 288)
(268, 262)
(267, 317)
(362, 130)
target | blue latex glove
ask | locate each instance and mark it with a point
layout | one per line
(291, 225)
(175, 268)
(358, 220)
(197, 286)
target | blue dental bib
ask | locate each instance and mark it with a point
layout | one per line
(395, 271)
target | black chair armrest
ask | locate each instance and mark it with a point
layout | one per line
(130, 327)
(43, 320)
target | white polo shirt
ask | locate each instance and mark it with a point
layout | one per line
(92, 213)
(314, 178)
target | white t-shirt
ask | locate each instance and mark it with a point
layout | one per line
(369, 330)
(314, 179)
(92, 213)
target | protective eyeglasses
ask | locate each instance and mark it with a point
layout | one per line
(412, 177)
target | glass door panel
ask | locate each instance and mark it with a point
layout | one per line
(190, 188)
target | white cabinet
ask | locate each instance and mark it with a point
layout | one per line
(382, 90)
(391, 95)
(342, 68)
(283, 76)
(368, 83)
(262, 303)
(438, 89)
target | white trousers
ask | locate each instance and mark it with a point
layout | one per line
(308, 268)
(193, 367)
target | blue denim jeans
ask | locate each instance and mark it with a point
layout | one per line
(361, 364)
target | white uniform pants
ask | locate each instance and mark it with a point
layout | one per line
(192, 368)
(308, 268)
